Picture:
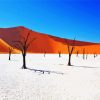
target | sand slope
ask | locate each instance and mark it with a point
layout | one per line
(45, 42)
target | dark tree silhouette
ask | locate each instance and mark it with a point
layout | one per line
(95, 55)
(77, 53)
(84, 53)
(10, 52)
(44, 53)
(23, 46)
(59, 53)
(71, 48)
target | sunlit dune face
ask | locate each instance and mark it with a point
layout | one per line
(4, 47)
(58, 47)
(90, 49)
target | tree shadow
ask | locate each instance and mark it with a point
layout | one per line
(14, 60)
(85, 66)
(46, 71)
(79, 66)
(61, 64)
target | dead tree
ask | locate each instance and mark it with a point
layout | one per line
(71, 48)
(77, 53)
(23, 46)
(59, 53)
(95, 55)
(10, 52)
(44, 54)
(83, 53)
(86, 56)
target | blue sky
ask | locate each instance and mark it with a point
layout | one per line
(62, 18)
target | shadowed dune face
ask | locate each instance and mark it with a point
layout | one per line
(44, 43)
(65, 41)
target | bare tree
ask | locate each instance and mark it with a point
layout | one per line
(44, 53)
(59, 53)
(95, 55)
(10, 52)
(23, 46)
(86, 56)
(71, 48)
(84, 53)
(77, 53)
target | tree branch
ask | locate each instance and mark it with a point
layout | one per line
(27, 37)
(27, 45)
(20, 42)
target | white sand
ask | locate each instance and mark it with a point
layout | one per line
(79, 82)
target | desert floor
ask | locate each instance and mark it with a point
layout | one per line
(78, 82)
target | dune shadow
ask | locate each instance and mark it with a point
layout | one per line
(45, 71)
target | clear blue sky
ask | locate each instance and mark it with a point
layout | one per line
(63, 18)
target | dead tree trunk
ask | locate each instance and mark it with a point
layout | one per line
(70, 51)
(59, 54)
(10, 51)
(44, 54)
(77, 53)
(95, 55)
(24, 61)
(9, 55)
(69, 60)
(84, 54)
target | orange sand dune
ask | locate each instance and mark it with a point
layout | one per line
(46, 43)
(91, 49)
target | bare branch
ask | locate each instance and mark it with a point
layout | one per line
(18, 47)
(72, 49)
(68, 48)
(20, 42)
(11, 49)
(74, 42)
(27, 37)
(27, 45)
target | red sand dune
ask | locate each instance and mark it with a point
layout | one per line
(44, 42)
